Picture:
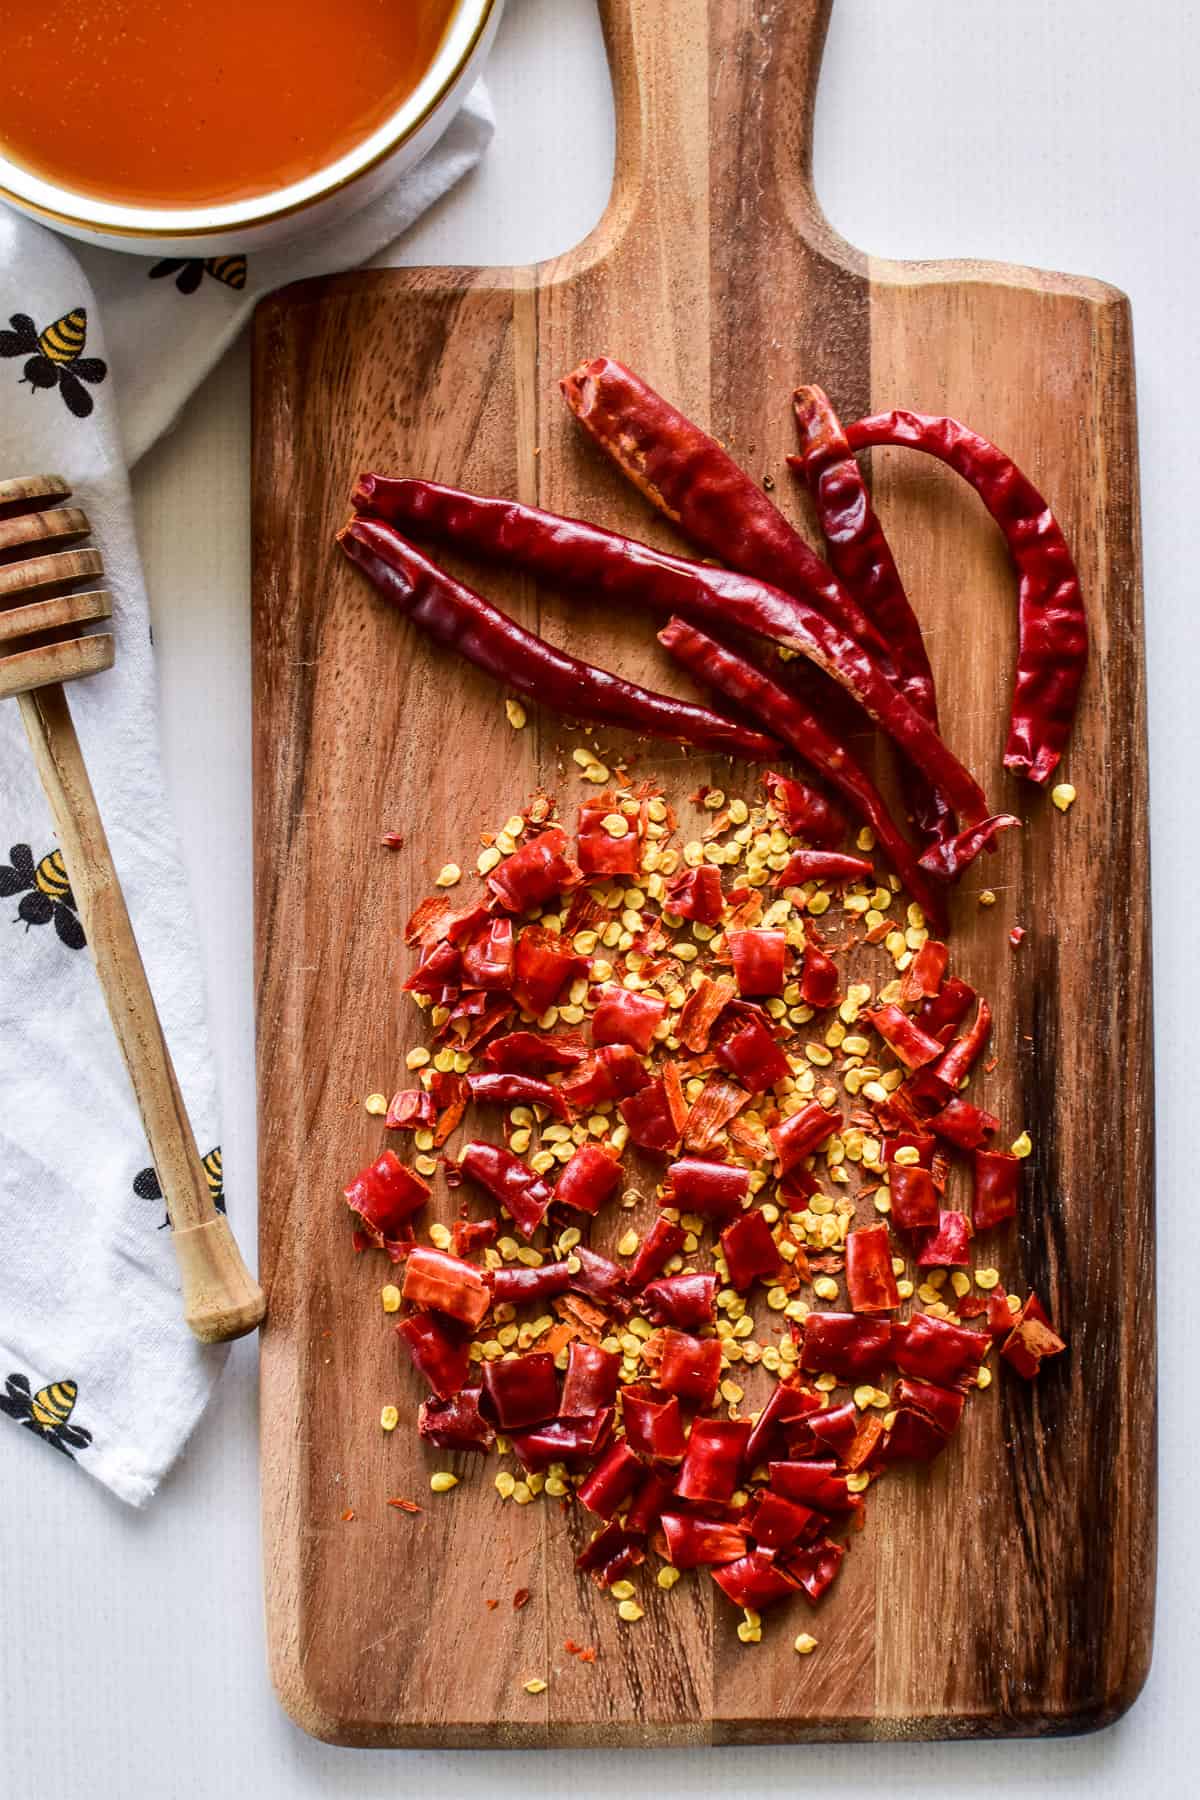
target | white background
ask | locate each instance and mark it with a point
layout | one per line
(131, 1646)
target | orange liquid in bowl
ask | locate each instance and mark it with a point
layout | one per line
(204, 102)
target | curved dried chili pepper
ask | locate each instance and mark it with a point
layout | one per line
(715, 1190)
(750, 1251)
(943, 1405)
(805, 1131)
(521, 1390)
(701, 1010)
(822, 865)
(590, 1384)
(385, 1196)
(511, 1183)
(611, 1482)
(713, 1460)
(925, 973)
(645, 1508)
(696, 894)
(685, 1301)
(847, 1345)
(542, 968)
(914, 1437)
(1052, 625)
(612, 1552)
(462, 620)
(740, 680)
(598, 1276)
(663, 1240)
(456, 1424)
(690, 1368)
(653, 1426)
(942, 1013)
(589, 1180)
(693, 1542)
(815, 1569)
(997, 1184)
(759, 961)
(870, 1278)
(835, 1429)
(788, 1401)
(442, 1357)
(948, 857)
(804, 812)
(535, 1053)
(622, 1017)
(439, 971)
(517, 1090)
(445, 1284)
(1031, 1340)
(914, 1197)
(688, 476)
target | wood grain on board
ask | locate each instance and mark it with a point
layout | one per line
(1010, 1588)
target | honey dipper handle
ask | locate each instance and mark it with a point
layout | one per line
(221, 1298)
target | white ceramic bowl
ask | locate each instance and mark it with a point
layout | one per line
(274, 217)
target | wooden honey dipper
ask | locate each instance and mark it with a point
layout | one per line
(42, 645)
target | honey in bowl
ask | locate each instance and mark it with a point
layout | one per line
(169, 103)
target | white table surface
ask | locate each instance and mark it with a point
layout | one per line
(131, 1646)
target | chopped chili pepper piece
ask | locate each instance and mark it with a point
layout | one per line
(923, 1142)
(818, 977)
(715, 1190)
(622, 1017)
(749, 1050)
(948, 1246)
(446, 1285)
(814, 1483)
(685, 1301)
(870, 1279)
(645, 1508)
(385, 1196)
(612, 1553)
(834, 1429)
(755, 1580)
(441, 1356)
(759, 960)
(456, 1424)
(822, 865)
(487, 961)
(410, 1110)
(720, 1101)
(931, 1349)
(521, 1390)
(609, 1073)
(944, 1406)
(788, 1402)
(948, 858)
(701, 1010)
(867, 1438)
(962, 1124)
(816, 1569)
(846, 1345)
(521, 1287)
(599, 852)
(611, 1482)
(473, 1234)
(598, 1276)
(653, 1426)
(942, 1013)
(510, 1182)
(657, 1248)
(538, 870)
(517, 1090)
(1053, 636)
(713, 1460)
(914, 1198)
(439, 969)
(907, 1041)
(750, 1251)
(804, 812)
(776, 1523)
(925, 973)
(534, 1053)
(1031, 1340)
(802, 1133)
(460, 619)
(743, 682)
(914, 1437)
(997, 1183)
(690, 1367)
(957, 1062)
(693, 1542)
(590, 1179)
(696, 894)
(590, 1384)
(543, 968)
(650, 1118)
(435, 920)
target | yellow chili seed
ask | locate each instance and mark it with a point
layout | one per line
(825, 1287)
(961, 1283)
(504, 1484)
(983, 1378)
(1022, 1146)
(667, 1576)
(443, 1481)
(447, 875)
(537, 1686)
(440, 1236)
(1063, 796)
(390, 1298)
(389, 1418)
(630, 1612)
(987, 1278)
(416, 1059)
(804, 1644)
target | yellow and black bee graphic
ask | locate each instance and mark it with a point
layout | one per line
(189, 272)
(145, 1182)
(46, 893)
(46, 1413)
(55, 357)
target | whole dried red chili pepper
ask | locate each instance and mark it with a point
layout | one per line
(741, 681)
(385, 1196)
(747, 1048)
(932, 1349)
(591, 1178)
(621, 1017)
(802, 1133)
(713, 1460)
(870, 1278)
(685, 1301)
(462, 620)
(653, 1425)
(949, 1246)
(914, 1197)
(815, 1484)
(456, 1424)
(804, 812)
(759, 960)
(688, 476)
(997, 1183)
(696, 894)
(693, 1542)
(521, 1390)
(847, 1345)
(522, 1287)
(690, 1368)
(750, 1251)
(542, 968)
(715, 1190)
(446, 1285)
(535, 1052)
(609, 1073)
(861, 557)
(755, 1580)
(442, 1356)
(1052, 624)
(517, 1090)
(590, 1384)
(657, 1247)
(822, 865)
(511, 1183)
(538, 869)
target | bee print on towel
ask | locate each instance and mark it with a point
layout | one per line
(54, 357)
(47, 1413)
(190, 272)
(45, 893)
(145, 1183)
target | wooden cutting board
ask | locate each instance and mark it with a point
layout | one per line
(1010, 1588)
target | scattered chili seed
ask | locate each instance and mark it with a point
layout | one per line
(442, 1481)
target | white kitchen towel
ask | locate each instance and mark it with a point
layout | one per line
(98, 351)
